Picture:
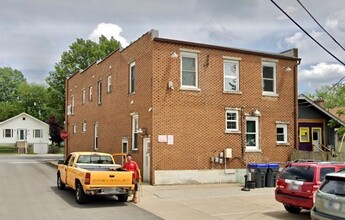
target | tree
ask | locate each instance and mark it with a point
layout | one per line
(9, 83)
(54, 130)
(80, 55)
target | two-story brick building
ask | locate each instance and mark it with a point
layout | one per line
(177, 106)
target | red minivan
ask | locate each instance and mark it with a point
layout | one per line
(298, 181)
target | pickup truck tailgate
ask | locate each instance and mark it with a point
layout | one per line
(110, 178)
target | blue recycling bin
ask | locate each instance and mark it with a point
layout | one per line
(271, 175)
(258, 173)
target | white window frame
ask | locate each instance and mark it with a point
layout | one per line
(99, 92)
(237, 63)
(132, 77)
(135, 134)
(40, 133)
(90, 93)
(226, 121)
(83, 127)
(83, 97)
(96, 137)
(274, 66)
(195, 57)
(11, 133)
(74, 129)
(285, 133)
(72, 105)
(109, 84)
(257, 134)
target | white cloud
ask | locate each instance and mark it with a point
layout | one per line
(108, 30)
(321, 74)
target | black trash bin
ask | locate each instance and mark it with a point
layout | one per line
(272, 173)
(258, 171)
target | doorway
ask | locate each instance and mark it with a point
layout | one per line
(146, 159)
(124, 148)
(22, 134)
(316, 139)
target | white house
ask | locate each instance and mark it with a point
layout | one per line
(25, 132)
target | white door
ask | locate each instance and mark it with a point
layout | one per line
(146, 159)
(317, 139)
(22, 134)
(124, 149)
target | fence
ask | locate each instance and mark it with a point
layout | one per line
(311, 155)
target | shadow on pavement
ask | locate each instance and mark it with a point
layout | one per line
(288, 216)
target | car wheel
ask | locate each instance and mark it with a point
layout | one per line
(80, 196)
(122, 197)
(292, 209)
(59, 183)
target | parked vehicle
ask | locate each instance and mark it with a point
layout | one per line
(330, 198)
(90, 173)
(298, 182)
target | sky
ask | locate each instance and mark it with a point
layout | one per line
(34, 34)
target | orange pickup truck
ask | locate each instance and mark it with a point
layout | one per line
(93, 173)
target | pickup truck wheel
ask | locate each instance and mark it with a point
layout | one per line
(59, 183)
(122, 198)
(292, 209)
(80, 196)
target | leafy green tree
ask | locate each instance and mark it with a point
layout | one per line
(80, 55)
(10, 109)
(9, 82)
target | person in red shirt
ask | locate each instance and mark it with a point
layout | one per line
(131, 165)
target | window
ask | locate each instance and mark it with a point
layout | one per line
(334, 186)
(269, 77)
(304, 134)
(189, 70)
(252, 133)
(135, 134)
(99, 94)
(302, 173)
(72, 105)
(95, 143)
(325, 171)
(74, 129)
(231, 76)
(8, 133)
(231, 118)
(281, 133)
(38, 133)
(132, 77)
(83, 127)
(109, 84)
(83, 96)
(90, 93)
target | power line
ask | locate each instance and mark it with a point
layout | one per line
(308, 34)
(321, 25)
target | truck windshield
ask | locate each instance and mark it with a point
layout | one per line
(95, 159)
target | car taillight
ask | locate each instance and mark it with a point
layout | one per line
(87, 178)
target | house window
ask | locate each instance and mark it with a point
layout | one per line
(132, 77)
(189, 70)
(135, 134)
(109, 84)
(90, 93)
(269, 78)
(231, 76)
(304, 134)
(95, 143)
(99, 92)
(74, 129)
(8, 133)
(281, 133)
(83, 127)
(252, 134)
(231, 118)
(83, 96)
(72, 105)
(38, 133)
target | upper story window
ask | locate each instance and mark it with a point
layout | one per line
(189, 70)
(72, 105)
(83, 97)
(90, 93)
(231, 75)
(109, 84)
(8, 133)
(281, 134)
(132, 77)
(135, 134)
(83, 128)
(231, 118)
(38, 133)
(269, 78)
(252, 134)
(99, 93)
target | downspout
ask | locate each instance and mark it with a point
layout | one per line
(296, 103)
(66, 117)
